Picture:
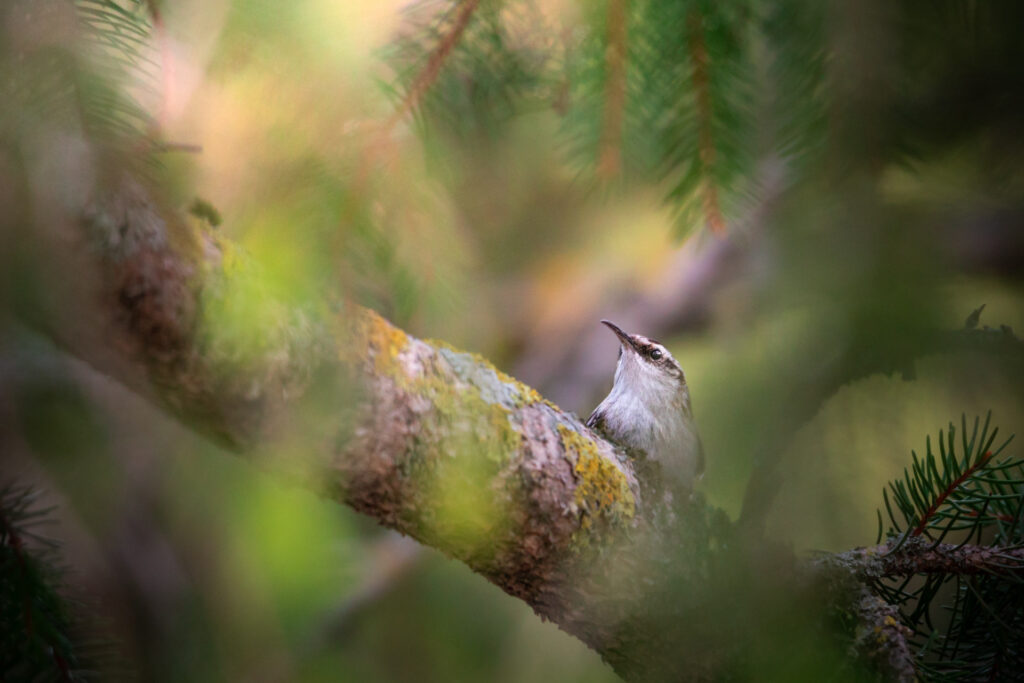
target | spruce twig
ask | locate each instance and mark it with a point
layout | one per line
(610, 157)
(37, 623)
(953, 486)
(892, 559)
(432, 69)
(705, 138)
(960, 488)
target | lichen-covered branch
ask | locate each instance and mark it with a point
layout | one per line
(882, 639)
(462, 457)
(920, 556)
(881, 635)
(429, 440)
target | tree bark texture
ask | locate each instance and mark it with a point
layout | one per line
(430, 441)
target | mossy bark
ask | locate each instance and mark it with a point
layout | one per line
(429, 440)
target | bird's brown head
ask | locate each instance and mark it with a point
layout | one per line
(647, 355)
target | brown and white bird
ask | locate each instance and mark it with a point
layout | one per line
(648, 412)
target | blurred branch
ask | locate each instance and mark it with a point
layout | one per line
(853, 364)
(393, 558)
(610, 158)
(705, 142)
(572, 373)
(426, 78)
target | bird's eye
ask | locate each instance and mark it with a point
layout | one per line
(656, 354)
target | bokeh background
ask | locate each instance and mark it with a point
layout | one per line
(483, 217)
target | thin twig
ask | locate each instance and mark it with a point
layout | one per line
(610, 157)
(705, 139)
(426, 78)
(167, 65)
(941, 498)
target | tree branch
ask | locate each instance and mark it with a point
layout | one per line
(919, 556)
(426, 78)
(431, 441)
(705, 138)
(882, 639)
(880, 636)
(610, 156)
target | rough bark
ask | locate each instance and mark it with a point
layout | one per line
(919, 556)
(428, 440)
(882, 639)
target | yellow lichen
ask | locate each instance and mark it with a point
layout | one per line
(374, 338)
(602, 491)
(528, 394)
(459, 456)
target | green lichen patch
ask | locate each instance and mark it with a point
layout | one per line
(495, 386)
(459, 462)
(602, 495)
(248, 336)
(466, 415)
(468, 508)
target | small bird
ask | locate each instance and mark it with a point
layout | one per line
(648, 412)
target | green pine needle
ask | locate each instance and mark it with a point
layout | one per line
(964, 627)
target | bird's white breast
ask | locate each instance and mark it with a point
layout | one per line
(658, 424)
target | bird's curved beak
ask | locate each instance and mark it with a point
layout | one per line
(627, 342)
